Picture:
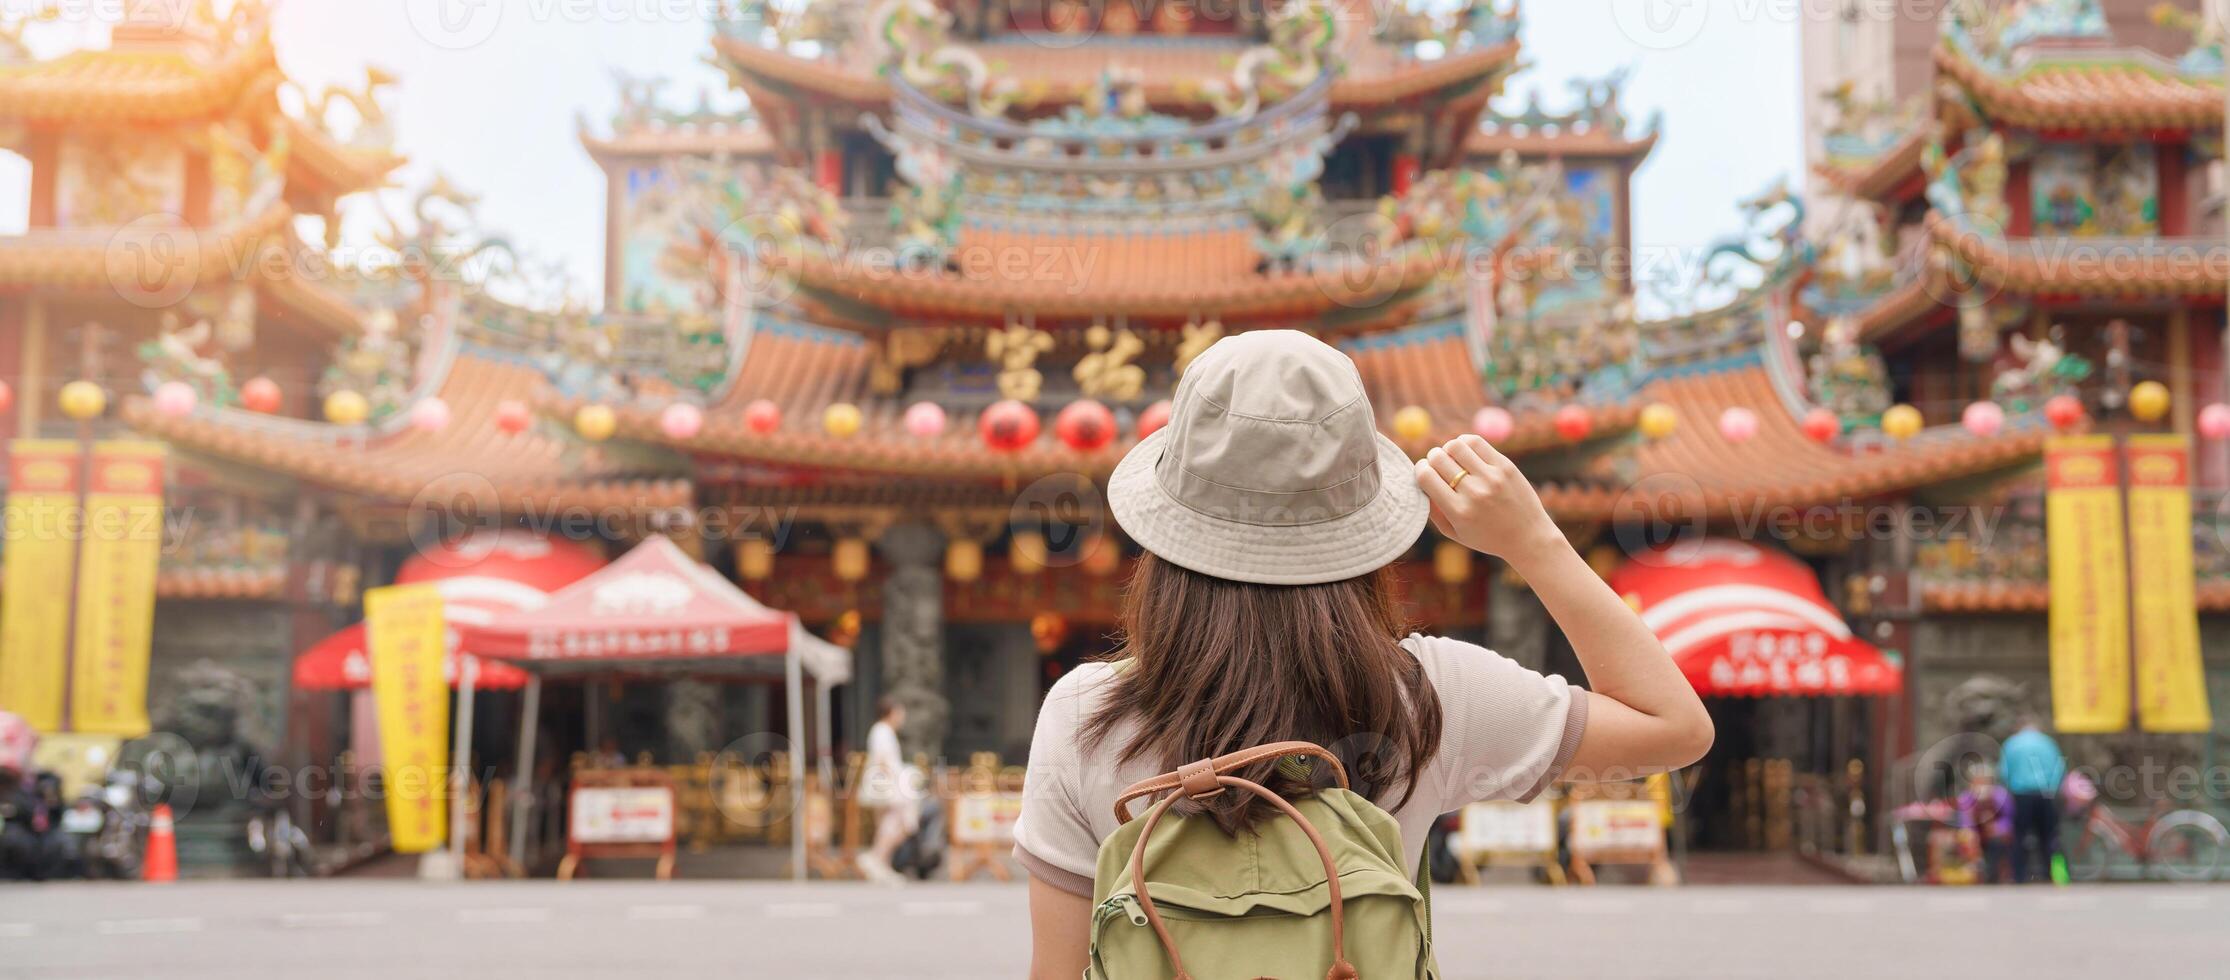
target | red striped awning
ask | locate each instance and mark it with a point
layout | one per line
(1743, 620)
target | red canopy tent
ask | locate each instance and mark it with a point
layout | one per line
(655, 604)
(656, 609)
(338, 663)
(1742, 620)
(478, 577)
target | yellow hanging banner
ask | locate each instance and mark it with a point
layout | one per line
(42, 523)
(2171, 681)
(404, 631)
(2090, 599)
(123, 543)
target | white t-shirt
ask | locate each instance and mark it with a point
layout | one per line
(1508, 731)
(884, 782)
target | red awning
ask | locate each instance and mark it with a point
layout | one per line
(653, 604)
(338, 663)
(1742, 620)
(479, 577)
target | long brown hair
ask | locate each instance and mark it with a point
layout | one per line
(1216, 666)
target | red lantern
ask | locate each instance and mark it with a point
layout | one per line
(1574, 423)
(1822, 425)
(1085, 426)
(260, 395)
(1153, 418)
(513, 416)
(2064, 412)
(762, 416)
(1008, 426)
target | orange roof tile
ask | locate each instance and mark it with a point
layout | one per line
(221, 583)
(1152, 274)
(803, 370)
(136, 86)
(735, 142)
(1873, 178)
(2118, 95)
(1174, 74)
(1695, 468)
(1586, 143)
(102, 258)
(470, 459)
(2119, 268)
(1431, 368)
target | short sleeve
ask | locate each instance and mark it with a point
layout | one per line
(1509, 730)
(1053, 838)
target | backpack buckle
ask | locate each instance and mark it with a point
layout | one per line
(1198, 779)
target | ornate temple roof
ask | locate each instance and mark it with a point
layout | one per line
(2106, 268)
(2117, 92)
(79, 258)
(149, 77)
(1177, 72)
(470, 459)
(1171, 274)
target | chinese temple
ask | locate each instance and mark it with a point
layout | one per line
(868, 345)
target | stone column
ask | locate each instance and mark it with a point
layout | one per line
(1517, 626)
(913, 634)
(693, 718)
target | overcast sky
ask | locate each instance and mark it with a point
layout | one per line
(490, 93)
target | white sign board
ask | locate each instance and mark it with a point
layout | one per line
(623, 815)
(1616, 828)
(985, 818)
(1504, 827)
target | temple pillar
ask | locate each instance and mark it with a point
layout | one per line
(913, 634)
(1517, 625)
(693, 718)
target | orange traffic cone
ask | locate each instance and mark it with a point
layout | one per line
(162, 847)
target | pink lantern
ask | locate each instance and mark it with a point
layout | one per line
(1493, 424)
(7, 397)
(513, 416)
(430, 415)
(762, 416)
(1153, 418)
(175, 398)
(924, 420)
(2214, 421)
(1984, 419)
(681, 421)
(1738, 425)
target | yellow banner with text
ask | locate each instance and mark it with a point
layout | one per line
(404, 631)
(2171, 681)
(42, 523)
(2089, 618)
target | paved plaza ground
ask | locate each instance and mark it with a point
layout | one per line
(487, 931)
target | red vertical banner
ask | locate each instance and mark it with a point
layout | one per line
(123, 543)
(2171, 681)
(1405, 172)
(2089, 617)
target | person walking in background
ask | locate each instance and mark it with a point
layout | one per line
(883, 784)
(2032, 767)
(1987, 809)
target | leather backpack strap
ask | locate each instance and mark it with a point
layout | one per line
(1217, 767)
(1341, 968)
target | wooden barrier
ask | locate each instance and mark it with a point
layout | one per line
(620, 813)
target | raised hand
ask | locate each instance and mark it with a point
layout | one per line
(1480, 500)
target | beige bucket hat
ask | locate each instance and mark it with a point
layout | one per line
(1270, 470)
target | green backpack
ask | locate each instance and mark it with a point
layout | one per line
(1320, 893)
